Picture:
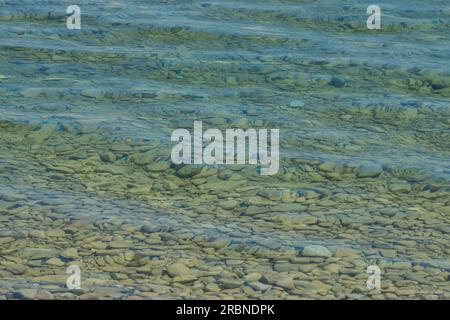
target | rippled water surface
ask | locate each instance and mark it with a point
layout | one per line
(86, 119)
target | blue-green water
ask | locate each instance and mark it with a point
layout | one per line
(86, 118)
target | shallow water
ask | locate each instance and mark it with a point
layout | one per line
(86, 118)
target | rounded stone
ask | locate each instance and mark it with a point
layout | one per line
(316, 251)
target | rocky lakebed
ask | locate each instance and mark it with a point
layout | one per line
(86, 177)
